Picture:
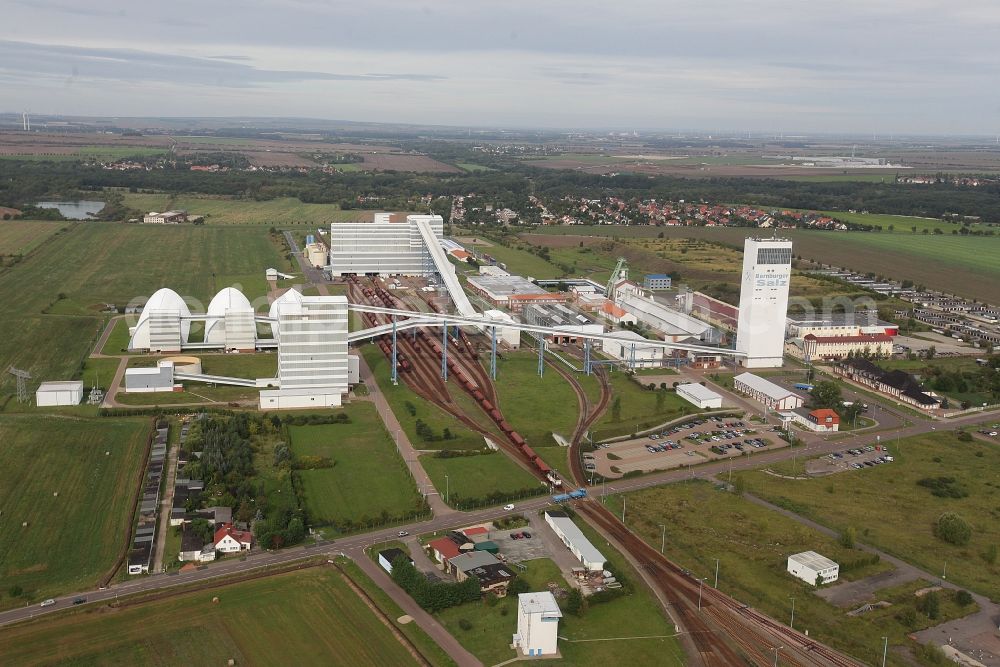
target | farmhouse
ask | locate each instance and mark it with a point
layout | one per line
(165, 218)
(229, 540)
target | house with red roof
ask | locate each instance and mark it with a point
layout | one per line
(443, 549)
(229, 540)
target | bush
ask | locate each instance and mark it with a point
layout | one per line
(944, 487)
(953, 529)
(465, 624)
(15, 591)
(930, 604)
(963, 598)
(574, 602)
(847, 537)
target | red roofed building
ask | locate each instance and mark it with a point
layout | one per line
(616, 314)
(824, 419)
(840, 347)
(229, 540)
(443, 549)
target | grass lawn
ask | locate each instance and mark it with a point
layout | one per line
(99, 372)
(752, 544)
(74, 537)
(639, 408)
(474, 477)
(259, 365)
(117, 342)
(306, 617)
(635, 615)
(521, 392)
(890, 511)
(400, 396)
(368, 479)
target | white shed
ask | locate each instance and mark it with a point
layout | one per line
(573, 537)
(59, 393)
(811, 567)
(699, 395)
(538, 617)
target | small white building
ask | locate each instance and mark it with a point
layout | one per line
(509, 336)
(59, 393)
(156, 378)
(537, 624)
(316, 254)
(573, 537)
(773, 396)
(633, 349)
(699, 395)
(811, 567)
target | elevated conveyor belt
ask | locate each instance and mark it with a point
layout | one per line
(221, 379)
(382, 329)
(446, 270)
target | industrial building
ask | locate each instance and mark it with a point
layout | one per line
(558, 316)
(767, 272)
(498, 289)
(164, 323)
(384, 247)
(637, 352)
(898, 384)
(230, 322)
(316, 254)
(312, 354)
(538, 617)
(839, 324)
(674, 325)
(813, 568)
(656, 281)
(573, 537)
(49, 394)
(699, 395)
(773, 396)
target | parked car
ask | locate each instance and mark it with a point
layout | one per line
(526, 535)
(515, 536)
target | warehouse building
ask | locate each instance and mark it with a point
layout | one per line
(558, 316)
(164, 323)
(635, 350)
(767, 273)
(538, 617)
(59, 393)
(156, 378)
(699, 395)
(813, 568)
(387, 246)
(773, 396)
(229, 321)
(673, 324)
(499, 289)
(573, 537)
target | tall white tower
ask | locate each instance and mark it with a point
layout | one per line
(767, 271)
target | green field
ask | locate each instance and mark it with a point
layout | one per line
(639, 408)
(259, 365)
(474, 477)
(368, 479)
(75, 537)
(400, 395)
(99, 152)
(19, 237)
(889, 510)
(282, 212)
(521, 392)
(630, 630)
(309, 617)
(53, 298)
(752, 544)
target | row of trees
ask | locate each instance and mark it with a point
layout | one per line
(432, 596)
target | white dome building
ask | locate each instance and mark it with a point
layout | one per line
(161, 326)
(291, 296)
(229, 321)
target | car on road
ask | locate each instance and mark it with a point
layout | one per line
(508, 508)
(48, 603)
(80, 600)
(402, 533)
(515, 536)
(526, 535)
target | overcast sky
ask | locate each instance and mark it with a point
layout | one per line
(885, 66)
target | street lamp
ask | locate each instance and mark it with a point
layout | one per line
(447, 488)
(791, 623)
(663, 537)
(700, 583)
(716, 573)
(885, 649)
(776, 649)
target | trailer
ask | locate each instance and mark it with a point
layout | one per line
(561, 498)
(579, 493)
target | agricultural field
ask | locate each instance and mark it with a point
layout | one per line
(305, 617)
(465, 480)
(367, 479)
(55, 295)
(71, 481)
(965, 265)
(281, 212)
(904, 522)
(629, 630)
(752, 544)
(639, 408)
(19, 237)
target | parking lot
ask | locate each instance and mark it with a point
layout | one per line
(855, 458)
(690, 443)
